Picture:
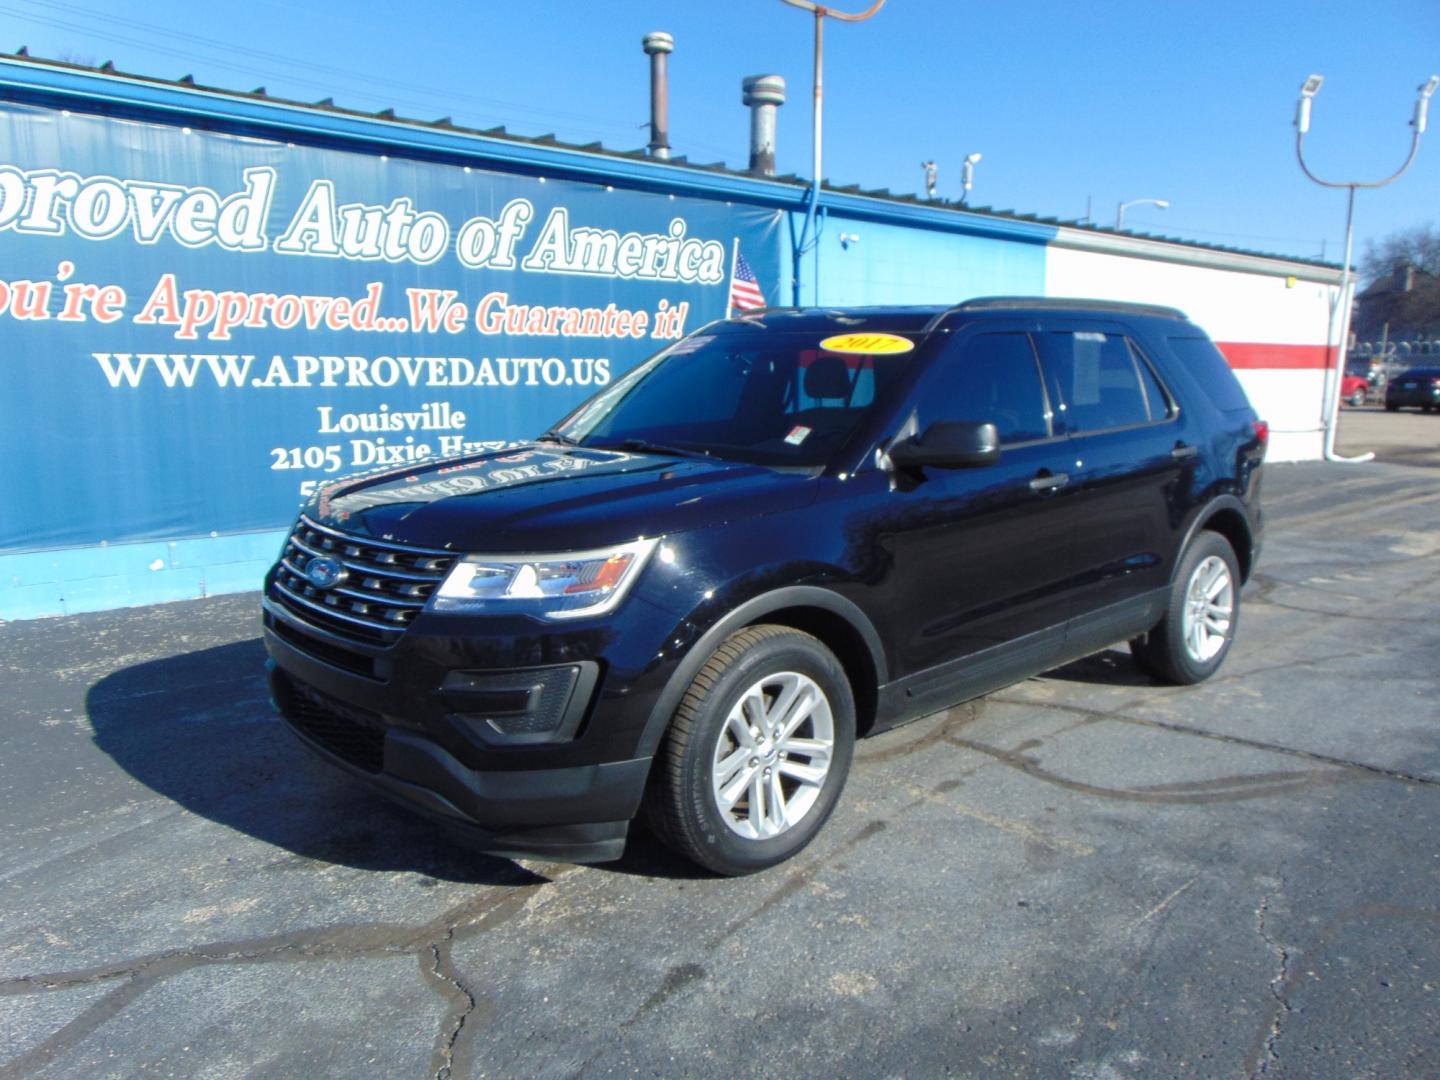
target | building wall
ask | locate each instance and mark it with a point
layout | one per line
(900, 264)
(1275, 330)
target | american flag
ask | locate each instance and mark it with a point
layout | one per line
(745, 294)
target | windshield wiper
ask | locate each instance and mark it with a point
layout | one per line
(645, 446)
(555, 436)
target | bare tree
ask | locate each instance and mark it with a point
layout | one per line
(1417, 246)
(1403, 290)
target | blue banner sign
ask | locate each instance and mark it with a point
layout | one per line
(198, 328)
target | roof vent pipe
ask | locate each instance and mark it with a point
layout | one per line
(658, 45)
(763, 94)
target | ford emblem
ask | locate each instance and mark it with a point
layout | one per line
(324, 572)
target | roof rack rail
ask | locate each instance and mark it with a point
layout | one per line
(1067, 303)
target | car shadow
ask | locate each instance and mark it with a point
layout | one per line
(1113, 667)
(198, 728)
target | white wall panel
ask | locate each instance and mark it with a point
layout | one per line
(1230, 305)
(1289, 401)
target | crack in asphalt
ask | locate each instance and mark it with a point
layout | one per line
(91, 1018)
(1262, 1053)
(432, 939)
(1348, 614)
(1286, 665)
(442, 971)
(1378, 771)
(1119, 715)
(1266, 583)
(1219, 789)
(1400, 498)
(1279, 987)
(944, 723)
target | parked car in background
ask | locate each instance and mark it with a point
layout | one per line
(1372, 371)
(1354, 389)
(1417, 387)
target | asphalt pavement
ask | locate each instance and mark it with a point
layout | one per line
(1086, 875)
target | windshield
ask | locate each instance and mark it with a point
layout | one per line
(768, 397)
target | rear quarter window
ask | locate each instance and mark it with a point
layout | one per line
(1208, 367)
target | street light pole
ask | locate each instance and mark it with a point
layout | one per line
(809, 237)
(1330, 400)
(1162, 204)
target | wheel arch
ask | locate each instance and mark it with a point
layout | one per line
(1227, 516)
(827, 616)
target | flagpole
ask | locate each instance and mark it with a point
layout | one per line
(734, 260)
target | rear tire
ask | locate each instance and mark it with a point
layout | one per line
(757, 753)
(1190, 643)
(1358, 398)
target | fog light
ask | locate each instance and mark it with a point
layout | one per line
(523, 706)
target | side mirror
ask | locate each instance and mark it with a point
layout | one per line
(953, 444)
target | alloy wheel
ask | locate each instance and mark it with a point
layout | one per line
(773, 755)
(1209, 606)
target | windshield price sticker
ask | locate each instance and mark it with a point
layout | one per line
(798, 434)
(867, 344)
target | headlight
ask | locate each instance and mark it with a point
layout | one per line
(560, 586)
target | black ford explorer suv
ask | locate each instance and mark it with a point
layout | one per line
(781, 532)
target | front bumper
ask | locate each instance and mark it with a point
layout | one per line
(550, 802)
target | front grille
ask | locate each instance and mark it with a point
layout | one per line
(336, 655)
(352, 735)
(383, 588)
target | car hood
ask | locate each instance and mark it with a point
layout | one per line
(548, 497)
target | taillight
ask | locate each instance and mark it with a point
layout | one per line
(1262, 431)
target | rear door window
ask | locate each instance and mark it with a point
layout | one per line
(1102, 383)
(1157, 398)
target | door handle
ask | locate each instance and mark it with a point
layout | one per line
(1049, 482)
(1183, 451)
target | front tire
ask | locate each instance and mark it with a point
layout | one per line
(1358, 397)
(1190, 643)
(757, 753)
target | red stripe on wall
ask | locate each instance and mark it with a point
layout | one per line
(1246, 355)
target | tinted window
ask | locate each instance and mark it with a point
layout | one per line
(1206, 363)
(990, 377)
(1098, 379)
(769, 397)
(1156, 397)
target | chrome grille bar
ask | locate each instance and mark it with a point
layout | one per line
(387, 584)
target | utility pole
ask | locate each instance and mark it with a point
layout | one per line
(1330, 402)
(809, 238)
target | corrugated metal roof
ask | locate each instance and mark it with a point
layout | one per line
(676, 161)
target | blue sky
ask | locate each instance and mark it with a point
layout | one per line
(1073, 105)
